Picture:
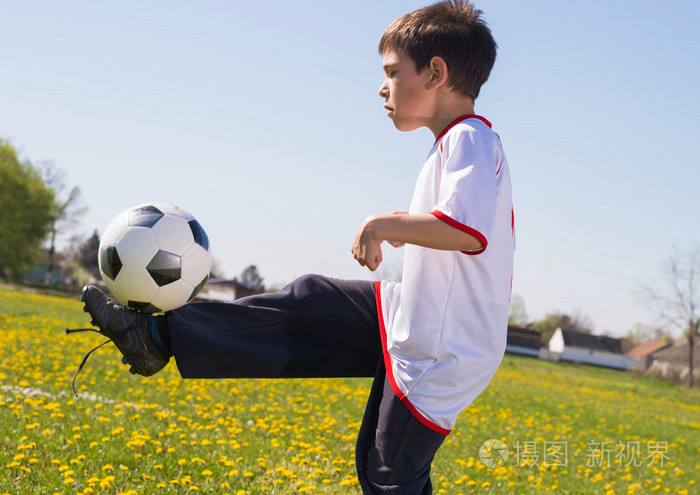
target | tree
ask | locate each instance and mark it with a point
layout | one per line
(553, 320)
(67, 209)
(518, 314)
(251, 278)
(26, 207)
(87, 253)
(676, 301)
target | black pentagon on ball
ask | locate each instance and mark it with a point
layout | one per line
(164, 268)
(145, 216)
(200, 237)
(199, 287)
(143, 307)
(111, 264)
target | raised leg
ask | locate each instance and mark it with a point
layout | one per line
(316, 326)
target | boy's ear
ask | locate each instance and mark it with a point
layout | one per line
(437, 72)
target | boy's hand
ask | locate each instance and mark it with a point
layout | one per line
(367, 248)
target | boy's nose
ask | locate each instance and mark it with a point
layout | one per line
(383, 91)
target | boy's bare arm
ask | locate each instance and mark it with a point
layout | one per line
(400, 227)
(424, 230)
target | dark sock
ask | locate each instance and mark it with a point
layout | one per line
(160, 333)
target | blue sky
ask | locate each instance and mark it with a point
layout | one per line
(263, 120)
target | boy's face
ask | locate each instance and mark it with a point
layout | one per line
(409, 101)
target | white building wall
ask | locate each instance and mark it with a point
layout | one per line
(556, 341)
(545, 353)
(518, 349)
(225, 294)
(598, 358)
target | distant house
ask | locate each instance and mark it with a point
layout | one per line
(222, 289)
(584, 348)
(672, 363)
(644, 352)
(39, 275)
(60, 274)
(523, 341)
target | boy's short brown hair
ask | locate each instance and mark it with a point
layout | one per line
(453, 30)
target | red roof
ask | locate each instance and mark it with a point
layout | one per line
(646, 348)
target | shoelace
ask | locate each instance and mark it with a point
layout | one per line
(85, 358)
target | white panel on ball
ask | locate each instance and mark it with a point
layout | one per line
(135, 284)
(173, 234)
(114, 290)
(137, 246)
(173, 295)
(115, 229)
(196, 264)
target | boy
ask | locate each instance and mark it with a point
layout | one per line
(433, 341)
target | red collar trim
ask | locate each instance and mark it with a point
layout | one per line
(460, 119)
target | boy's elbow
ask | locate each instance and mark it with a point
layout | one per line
(476, 243)
(459, 236)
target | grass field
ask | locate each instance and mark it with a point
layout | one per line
(603, 431)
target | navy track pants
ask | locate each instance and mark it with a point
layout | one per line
(315, 327)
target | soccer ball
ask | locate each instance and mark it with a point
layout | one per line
(154, 257)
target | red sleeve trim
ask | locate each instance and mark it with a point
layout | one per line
(390, 372)
(464, 228)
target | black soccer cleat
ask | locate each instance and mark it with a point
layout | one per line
(127, 328)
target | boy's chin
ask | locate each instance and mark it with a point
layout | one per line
(406, 125)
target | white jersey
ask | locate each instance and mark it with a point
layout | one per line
(443, 327)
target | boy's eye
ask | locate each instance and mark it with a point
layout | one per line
(391, 74)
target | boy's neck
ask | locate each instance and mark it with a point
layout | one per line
(447, 111)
